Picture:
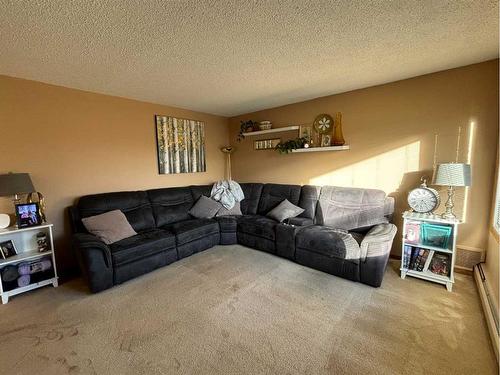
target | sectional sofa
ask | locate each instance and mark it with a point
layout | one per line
(342, 231)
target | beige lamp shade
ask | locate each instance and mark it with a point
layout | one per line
(15, 183)
(453, 174)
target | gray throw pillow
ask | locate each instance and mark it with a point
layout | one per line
(204, 208)
(235, 211)
(110, 226)
(284, 210)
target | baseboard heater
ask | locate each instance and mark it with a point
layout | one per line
(490, 311)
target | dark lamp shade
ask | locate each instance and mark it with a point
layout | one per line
(15, 183)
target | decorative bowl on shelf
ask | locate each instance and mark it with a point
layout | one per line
(265, 125)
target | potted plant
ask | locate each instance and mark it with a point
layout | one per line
(245, 127)
(292, 144)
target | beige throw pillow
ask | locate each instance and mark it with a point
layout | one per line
(110, 226)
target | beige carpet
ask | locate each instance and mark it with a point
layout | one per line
(233, 310)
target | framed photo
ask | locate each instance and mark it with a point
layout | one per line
(305, 131)
(266, 144)
(7, 249)
(28, 215)
(326, 140)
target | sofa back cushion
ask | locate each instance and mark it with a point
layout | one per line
(198, 190)
(274, 194)
(350, 208)
(309, 196)
(134, 204)
(252, 192)
(171, 205)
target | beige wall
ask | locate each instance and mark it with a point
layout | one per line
(75, 143)
(390, 129)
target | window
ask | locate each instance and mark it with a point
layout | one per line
(496, 218)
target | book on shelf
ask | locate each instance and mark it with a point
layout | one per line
(428, 260)
(423, 260)
(407, 256)
(418, 258)
(414, 253)
(440, 264)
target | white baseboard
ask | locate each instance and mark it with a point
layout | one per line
(488, 309)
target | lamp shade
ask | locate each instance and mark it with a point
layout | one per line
(453, 174)
(15, 183)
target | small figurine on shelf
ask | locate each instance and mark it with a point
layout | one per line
(41, 240)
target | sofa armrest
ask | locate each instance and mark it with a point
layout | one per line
(95, 261)
(86, 241)
(378, 240)
(375, 251)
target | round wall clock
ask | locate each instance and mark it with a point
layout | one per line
(323, 123)
(424, 199)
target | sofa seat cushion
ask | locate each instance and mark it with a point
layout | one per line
(300, 221)
(141, 246)
(329, 242)
(257, 225)
(228, 224)
(192, 230)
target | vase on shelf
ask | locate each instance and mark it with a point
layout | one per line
(338, 137)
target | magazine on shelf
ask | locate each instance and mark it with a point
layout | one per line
(412, 232)
(440, 264)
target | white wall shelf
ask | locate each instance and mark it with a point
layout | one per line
(317, 149)
(275, 130)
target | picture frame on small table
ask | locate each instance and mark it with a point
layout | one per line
(28, 215)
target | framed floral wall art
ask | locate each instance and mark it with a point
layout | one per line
(180, 144)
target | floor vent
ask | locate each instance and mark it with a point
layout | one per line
(468, 257)
(490, 312)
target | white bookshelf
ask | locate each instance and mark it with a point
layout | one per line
(24, 240)
(426, 274)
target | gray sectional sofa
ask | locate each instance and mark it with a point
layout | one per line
(343, 231)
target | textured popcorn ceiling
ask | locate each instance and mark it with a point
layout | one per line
(232, 57)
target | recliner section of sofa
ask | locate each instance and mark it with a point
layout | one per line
(167, 233)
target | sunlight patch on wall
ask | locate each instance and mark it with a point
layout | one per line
(470, 143)
(384, 171)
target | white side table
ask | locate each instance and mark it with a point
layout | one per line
(412, 218)
(25, 242)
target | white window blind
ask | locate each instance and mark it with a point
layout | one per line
(496, 219)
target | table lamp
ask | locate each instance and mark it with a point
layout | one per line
(451, 175)
(13, 184)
